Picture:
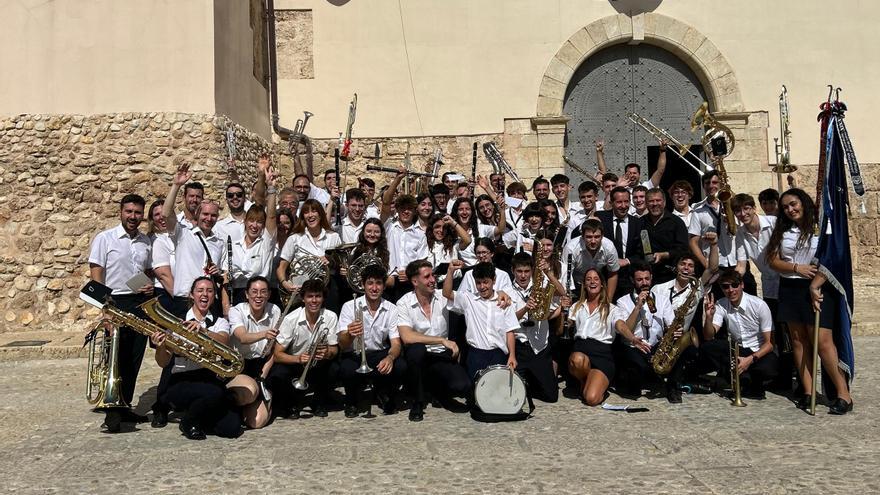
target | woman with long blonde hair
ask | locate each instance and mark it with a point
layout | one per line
(591, 362)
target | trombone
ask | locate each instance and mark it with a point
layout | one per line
(676, 146)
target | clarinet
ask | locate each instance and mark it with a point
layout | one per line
(338, 199)
(566, 327)
(229, 268)
(474, 170)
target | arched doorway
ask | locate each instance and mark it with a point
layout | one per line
(612, 84)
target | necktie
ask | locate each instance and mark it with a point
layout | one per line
(618, 237)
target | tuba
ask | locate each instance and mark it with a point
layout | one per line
(669, 349)
(103, 383)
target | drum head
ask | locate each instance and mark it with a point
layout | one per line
(498, 390)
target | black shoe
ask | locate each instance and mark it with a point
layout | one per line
(803, 403)
(416, 412)
(673, 394)
(129, 416)
(351, 411)
(840, 407)
(754, 394)
(319, 411)
(386, 403)
(113, 421)
(192, 431)
(160, 418)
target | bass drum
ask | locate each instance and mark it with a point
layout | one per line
(499, 390)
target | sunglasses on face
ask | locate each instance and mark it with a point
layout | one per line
(231, 195)
(730, 286)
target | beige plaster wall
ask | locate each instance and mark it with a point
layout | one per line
(238, 93)
(102, 56)
(466, 66)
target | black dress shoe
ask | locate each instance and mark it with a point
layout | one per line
(416, 413)
(673, 394)
(697, 388)
(113, 421)
(351, 411)
(803, 402)
(840, 407)
(160, 418)
(192, 431)
(319, 411)
(386, 403)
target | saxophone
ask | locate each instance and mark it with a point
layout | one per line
(542, 295)
(669, 349)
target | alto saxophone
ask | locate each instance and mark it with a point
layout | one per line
(670, 348)
(542, 295)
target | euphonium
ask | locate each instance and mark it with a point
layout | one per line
(103, 382)
(318, 339)
(669, 349)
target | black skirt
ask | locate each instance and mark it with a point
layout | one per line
(796, 306)
(599, 354)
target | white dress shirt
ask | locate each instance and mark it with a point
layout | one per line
(163, 254)
(240, 316)
(296, 334)
(533, 332)
(487, 324)
(703, 218)
(379, 328)
(624, 231)
(231, 226)
(673, 296)
(649, 326)
(220, 326)
(316, 247)
(467, 254)
(349, 232)
(591, 325)
(685, 217)
(121, 256)
(792, 252)
(410, 314)
(190, 257)
(746, 322)
(751, 247)
(583, 260)
(250, 261)
(403, 244)
(565, 215)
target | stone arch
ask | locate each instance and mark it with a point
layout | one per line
(693, 48)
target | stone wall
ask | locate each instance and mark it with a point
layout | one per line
(60, 179)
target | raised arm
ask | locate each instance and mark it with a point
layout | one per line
(388, 196)
(183, 175)
(657, 176)
(600, 158)
(258, 195)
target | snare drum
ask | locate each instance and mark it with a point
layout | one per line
(499, 390)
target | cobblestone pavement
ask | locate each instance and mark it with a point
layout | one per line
(51, 443)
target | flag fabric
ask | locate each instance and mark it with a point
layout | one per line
(833, 253)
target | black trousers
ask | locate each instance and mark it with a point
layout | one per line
(354, 382)
(319, 378)
(480, 359)
(634, 368)
(537, 370)
(438, 372)
(203, 399)
(754, 378)
(131, 345)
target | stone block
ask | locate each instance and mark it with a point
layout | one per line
(549, 106)
(582, 41)
(552, 88)
(612, 27)
(570, 55)
(597, 33)
(558, 70)
(517, 126)
(692, 40)
(23, 283)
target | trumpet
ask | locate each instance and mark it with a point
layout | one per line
(438, 161)
(298, 134)
(676, 146)
(318, 339)
(733, 345)
(783, 142)
(364, 368)
(376, 168)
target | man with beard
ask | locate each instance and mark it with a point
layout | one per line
(193, 195)
(667, 234)
(117, 256)
(591, 250)
(423, 324)
(541, 188)
(198, 251)
(353, 222)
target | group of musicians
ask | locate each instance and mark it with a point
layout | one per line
(466, 274)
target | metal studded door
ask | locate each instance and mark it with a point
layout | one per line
(616, 82)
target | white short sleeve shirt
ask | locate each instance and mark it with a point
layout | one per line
(121, 256)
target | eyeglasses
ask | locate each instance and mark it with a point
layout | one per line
(730, 286)
(231, 195)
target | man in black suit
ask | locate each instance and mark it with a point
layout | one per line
(624, 230)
